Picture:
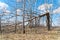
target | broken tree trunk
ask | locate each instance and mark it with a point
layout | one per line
(48, 20)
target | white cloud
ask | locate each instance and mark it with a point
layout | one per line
(56, 10)
(43, 6)
(43, 12)
(18, 11)
(18, 0)
(3, 5)
(7, 12)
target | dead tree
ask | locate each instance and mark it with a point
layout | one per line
(48, 20)
(24, 3)
(16, 24)
(39, 22)
(35, 21)
(0, 24)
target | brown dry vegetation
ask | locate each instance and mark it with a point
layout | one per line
(34, 34)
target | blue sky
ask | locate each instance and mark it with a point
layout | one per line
(55, 8)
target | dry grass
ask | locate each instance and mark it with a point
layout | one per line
(42, 34)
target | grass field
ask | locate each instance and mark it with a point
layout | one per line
(42, 35)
